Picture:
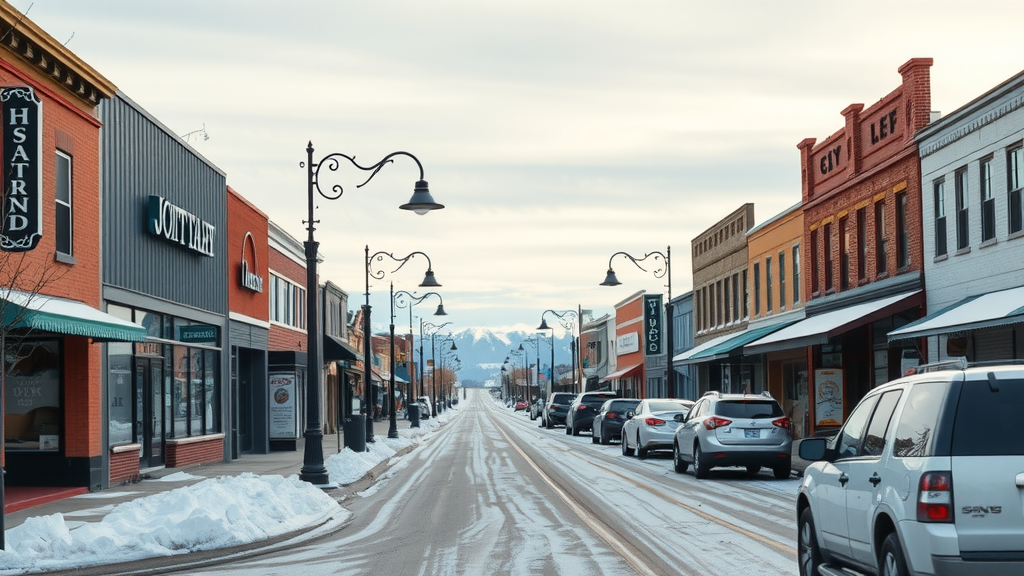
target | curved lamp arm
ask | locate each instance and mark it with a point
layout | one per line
(567, 318)
(405, 299)
(659, 272)
(428, 281)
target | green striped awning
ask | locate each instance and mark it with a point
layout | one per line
(64, 316)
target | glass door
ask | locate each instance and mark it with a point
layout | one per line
(149, 410)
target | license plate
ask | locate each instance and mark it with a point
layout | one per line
(752, 433)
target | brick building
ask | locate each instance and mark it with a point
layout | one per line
(862, 248)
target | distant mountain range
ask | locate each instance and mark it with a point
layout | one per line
(482, 352)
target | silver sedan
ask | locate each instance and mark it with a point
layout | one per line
(652, 425)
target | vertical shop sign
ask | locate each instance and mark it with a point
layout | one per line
(22, 169)
(828, 397)
(652, 324)
(283, 408)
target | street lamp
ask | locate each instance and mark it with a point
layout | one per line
(454, 360)
(313, 469)
(433, 359)
(435, 329)
(403, 299)
(536, 349)
(567, 319)
(659, 272)
(428, 282)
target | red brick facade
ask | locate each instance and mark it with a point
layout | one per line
(283, 337)
(247, 242)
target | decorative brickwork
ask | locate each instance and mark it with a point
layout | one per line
(196, 450)
(124, 464)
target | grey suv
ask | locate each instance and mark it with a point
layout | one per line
(748, 430)
(925, 477)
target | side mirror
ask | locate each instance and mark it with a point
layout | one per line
(813, 449)
(679, 417)
(630, 414)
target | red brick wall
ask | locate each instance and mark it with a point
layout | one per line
(124, 464)
(283, 337)
(632, 310)
(245, 218)
(70, 127)
(198, 450)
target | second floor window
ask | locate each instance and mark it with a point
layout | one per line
(796, 274)
(768, 284)
(1015, 187)
(827, 246)
(963, 234)
(939, 192)
(64, 226)
(814, 262)
(782, 280)
(988, 202)
(757, 288)
(862, 243)
(902, 237)
(287, 302)
(880, 251)
(844, 255)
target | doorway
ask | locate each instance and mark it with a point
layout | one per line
(150, 400)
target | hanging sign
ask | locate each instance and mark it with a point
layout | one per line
(652, 324)
(22, 168)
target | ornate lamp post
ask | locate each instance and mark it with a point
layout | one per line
(567, 318)
(662, 271)
(435, 328)
(428, 281)
(403, 299)
(313, 469)
(529, 373)
(447, 361)
(518, 353)
(433, 373)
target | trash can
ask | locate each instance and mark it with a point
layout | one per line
(413, 410)
(355, 432)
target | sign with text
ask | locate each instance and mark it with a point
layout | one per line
(627, 343)
(23, 168)
(652, 325)
(284, 422)
(828, 397)
(198, 334)
(179, 226)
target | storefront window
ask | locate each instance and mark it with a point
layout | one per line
(196, 395)
(119, 392)
(32, 394)
(212, 397)
(179, 402)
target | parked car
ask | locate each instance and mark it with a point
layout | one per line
(536, 408)
(608, 421)
(425, 405)
(583, 409)
(924, 477)
(734, 430)
(556, 408)
(652, 425)
(521, 405)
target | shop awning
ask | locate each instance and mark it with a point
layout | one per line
(337, 349)
(63, 316)
(723, 346)
(819, 328)
(975, 312)
(624, 373)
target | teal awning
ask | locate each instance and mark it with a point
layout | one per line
(64, 316)
(724, 348)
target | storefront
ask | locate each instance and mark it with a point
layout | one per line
(164, 268)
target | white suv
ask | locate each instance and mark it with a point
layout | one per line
(925, 477)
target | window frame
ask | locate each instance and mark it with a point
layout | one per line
(1015, 188)
(962, 202)
(939, 224)
(988, 201)
(64, 206)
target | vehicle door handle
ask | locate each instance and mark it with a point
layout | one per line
(875, 479)
(843, 479)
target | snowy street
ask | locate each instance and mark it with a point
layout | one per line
(492, 493)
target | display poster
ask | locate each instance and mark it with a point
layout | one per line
(283, 408)
(828, 397)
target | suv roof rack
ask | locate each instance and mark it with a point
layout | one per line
(954, 364)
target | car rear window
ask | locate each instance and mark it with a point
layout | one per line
(988, 420)
(562, 399)
(622, 405)
(749, 409)
(667, 407)
(915, 434)
(596, 401)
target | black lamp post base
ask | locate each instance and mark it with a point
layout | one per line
(313, 469)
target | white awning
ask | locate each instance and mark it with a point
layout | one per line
(64, 316)
(819, 328)
(975, 312)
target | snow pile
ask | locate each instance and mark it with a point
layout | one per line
(214, 513)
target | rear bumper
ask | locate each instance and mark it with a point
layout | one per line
(770, 456)
(556, 418)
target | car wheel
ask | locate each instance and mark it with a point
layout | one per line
(700, 464)
(809, 554)
(606, 438)
(593, 439)
(752, 469)
(568, 429)
(575, 431)
(548, 424)
(626, 450)
(677, 460)
(641, 452)
(782, 471)
(892, 561)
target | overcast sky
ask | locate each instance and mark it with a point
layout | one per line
(555, 132)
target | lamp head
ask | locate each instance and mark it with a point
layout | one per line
(543, 325)
(421, 201)
(610, 279)
(440, 311)
(521, 346)
(429, 281)
(454, 347)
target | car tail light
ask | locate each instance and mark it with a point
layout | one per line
(610, 415)
(581, 407)
(781, 422)
(935, 497)
(716, 422)
(654, 422)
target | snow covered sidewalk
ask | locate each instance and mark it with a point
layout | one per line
(210, 513)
